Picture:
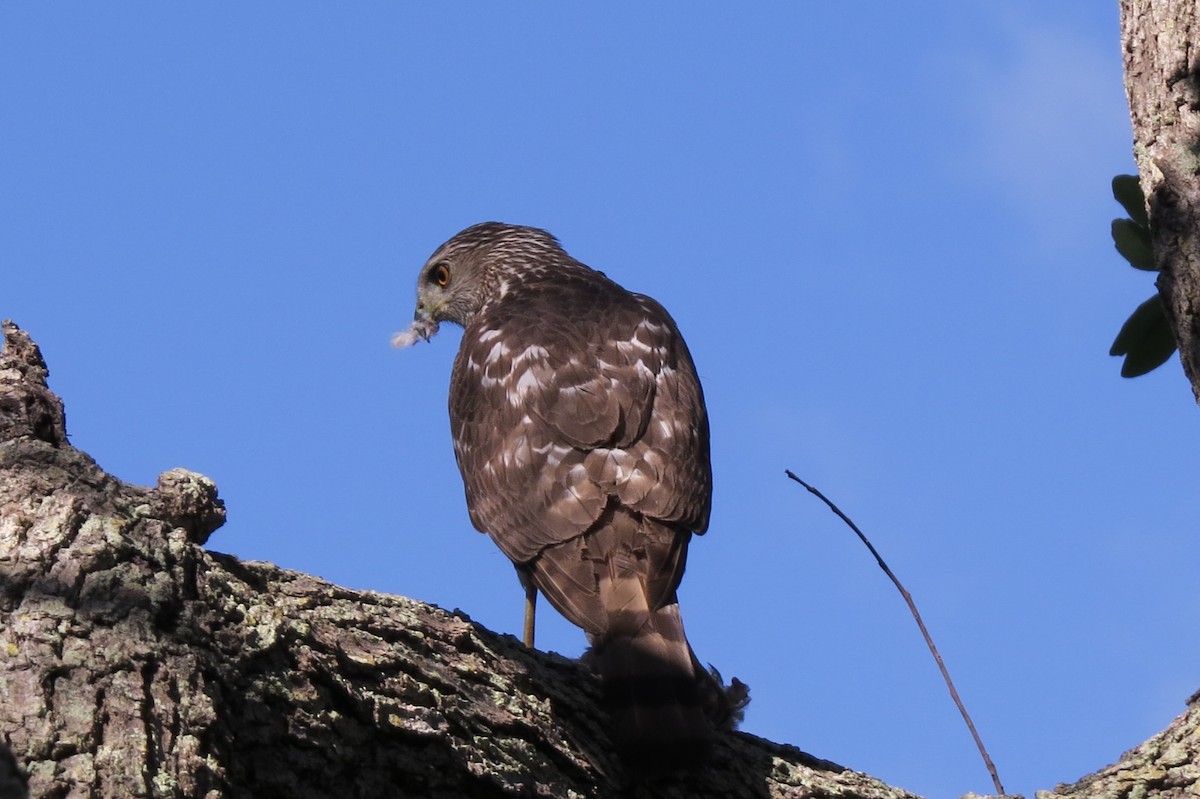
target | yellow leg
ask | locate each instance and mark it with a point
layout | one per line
(530, 610)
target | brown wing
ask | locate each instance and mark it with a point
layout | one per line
(566, 394)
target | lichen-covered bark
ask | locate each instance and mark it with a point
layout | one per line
(134, 663)
(1162, 82)
(1165, 767)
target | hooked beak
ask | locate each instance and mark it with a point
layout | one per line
(424, 325)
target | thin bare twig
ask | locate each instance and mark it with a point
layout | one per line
(912, 606)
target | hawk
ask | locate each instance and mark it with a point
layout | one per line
(582, 437)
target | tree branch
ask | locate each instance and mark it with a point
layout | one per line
(912, 606)
(134, 663)
(1162, 82)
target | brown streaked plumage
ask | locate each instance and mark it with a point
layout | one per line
(581, 433)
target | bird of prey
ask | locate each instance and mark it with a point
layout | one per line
(581, 433)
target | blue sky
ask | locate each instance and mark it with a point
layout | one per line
(882, 229)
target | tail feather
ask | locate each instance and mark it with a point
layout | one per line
(618, 583)
(653, 694)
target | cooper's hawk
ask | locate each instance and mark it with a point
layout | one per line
(582, 437)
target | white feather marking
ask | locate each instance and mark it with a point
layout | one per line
(634, 345)
(531, 353)
(498, 351)
(528, 381)
(487, 335)
(518, 453)
(523, 454)
(553, 453)
(648, 326)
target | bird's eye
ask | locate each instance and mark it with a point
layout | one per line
(440, 274)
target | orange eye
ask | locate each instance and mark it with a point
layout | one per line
(440, 274)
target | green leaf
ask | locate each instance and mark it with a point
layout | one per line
(1133, 242)
(1128, 192)
(1146, 339)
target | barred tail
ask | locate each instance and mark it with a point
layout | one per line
(654, 696)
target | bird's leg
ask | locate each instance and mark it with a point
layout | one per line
(530, 612)
(530, 604)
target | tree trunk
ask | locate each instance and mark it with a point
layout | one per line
(134, 663)
(1162, 82)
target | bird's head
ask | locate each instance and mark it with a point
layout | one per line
(472, 269)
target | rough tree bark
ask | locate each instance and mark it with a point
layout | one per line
(1167, 765)
(134, 663)
(1162, 82)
